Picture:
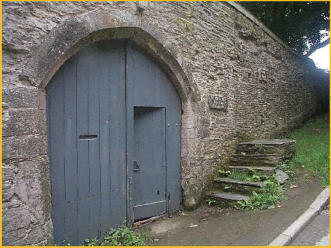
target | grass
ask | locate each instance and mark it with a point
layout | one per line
(312, 147)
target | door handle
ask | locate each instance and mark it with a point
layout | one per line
(136, 166)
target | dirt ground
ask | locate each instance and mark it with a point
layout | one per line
(224, 227)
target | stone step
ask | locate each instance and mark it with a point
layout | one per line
(237, 182)
(257, 160)
(227, 199)
(285, 152)
(270, 142)
(228, 196)
(283, 147)
(264, 170)
(236, 186)
(260, 155)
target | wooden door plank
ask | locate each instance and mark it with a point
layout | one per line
(83, 213)
(70, 130)
(70, 223)
(94, 144)
(82, 124)
(118, 135)
(70, 151)
(105, 175)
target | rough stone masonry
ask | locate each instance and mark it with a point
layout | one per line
(236, 81)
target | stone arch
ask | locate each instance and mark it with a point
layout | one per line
(77, 32)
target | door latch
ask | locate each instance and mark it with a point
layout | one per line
(136, 166)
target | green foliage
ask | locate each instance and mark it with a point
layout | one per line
(297, 23)
(270, 194)
(210, 201)
(91, 242)
(224, 173)
(312, 147)
(250, 175)
(256, 178)
(122, 236)
(65, 243)
(287, 168)
(239, 175)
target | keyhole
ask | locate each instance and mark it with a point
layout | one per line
(158, 192)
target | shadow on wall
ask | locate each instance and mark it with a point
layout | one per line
(320, 82)
(322, 88)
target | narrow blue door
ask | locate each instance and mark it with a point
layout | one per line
(149, 165)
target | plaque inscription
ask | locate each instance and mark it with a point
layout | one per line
(218, 102)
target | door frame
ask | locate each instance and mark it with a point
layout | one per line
(130, 163)
(130, 158)
(41, 70)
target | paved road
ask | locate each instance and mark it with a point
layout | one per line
(317, 233)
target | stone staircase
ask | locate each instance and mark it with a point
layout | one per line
(262, 156)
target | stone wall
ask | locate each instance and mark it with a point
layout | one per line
(209, 49)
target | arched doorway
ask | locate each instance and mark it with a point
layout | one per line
(114, 141)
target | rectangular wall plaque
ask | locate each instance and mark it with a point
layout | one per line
(218, 102)
(262, 74)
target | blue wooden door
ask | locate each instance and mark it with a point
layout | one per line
(98, 107)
